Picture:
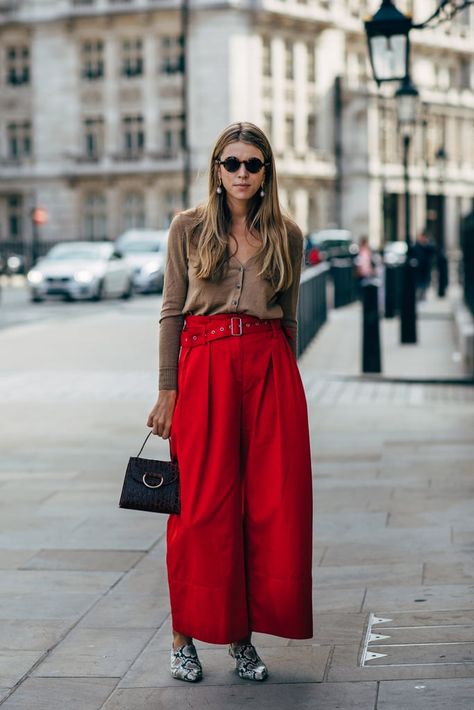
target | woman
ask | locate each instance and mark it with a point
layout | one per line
(232, 401)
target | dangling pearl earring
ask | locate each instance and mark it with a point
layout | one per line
(219, 189)
(262, 192)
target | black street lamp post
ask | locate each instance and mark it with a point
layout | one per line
(389, 43)
(407, 106)
(388, 39)
(388, 36)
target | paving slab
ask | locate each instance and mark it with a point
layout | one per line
(95, 652)
(15, 664)
(368, 575)
(432, 694)
(4, 692)
(14, 559)
(19, 581)
(140, 581)
(458, 573)
(446, 596)
(265, 696)
(353, 554)
(340, 628)
(46, 605)
(61, 693)
(146, 611)
(332, 599)
(28, 635)
(87, 560)
(125, 533)
(344, 666)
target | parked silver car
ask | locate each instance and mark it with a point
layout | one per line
(145, 252)
(78, 270)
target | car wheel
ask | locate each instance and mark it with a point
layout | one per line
(99, 294)
(129, 292)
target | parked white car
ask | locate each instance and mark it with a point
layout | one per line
(145, 251)
(79, 270)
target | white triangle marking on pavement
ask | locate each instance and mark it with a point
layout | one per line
(369, 656)
(380, 620)
(377, 637)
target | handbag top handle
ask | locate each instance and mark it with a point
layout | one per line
(146, 439)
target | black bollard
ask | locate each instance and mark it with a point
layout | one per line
(390, 291)
(371, 360)
(442, 265)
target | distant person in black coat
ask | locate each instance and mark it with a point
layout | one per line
(423, 252)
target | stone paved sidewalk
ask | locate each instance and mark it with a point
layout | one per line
(84, 613)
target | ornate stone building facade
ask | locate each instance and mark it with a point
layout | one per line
(101, 125)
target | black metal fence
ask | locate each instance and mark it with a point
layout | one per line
(312, 305)
(23, 250)
(344, 282)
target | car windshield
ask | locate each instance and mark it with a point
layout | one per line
(140, 247)
(86, 252)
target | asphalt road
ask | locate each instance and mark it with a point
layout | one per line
(17, 309)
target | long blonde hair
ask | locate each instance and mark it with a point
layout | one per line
(213, 218)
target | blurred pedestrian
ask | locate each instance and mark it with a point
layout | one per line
(364, 263)
(239, 552)
(423, 252)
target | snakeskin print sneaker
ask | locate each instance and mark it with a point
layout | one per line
(248, 663)
(185, 664)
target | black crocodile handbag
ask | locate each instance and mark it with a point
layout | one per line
(151, 485)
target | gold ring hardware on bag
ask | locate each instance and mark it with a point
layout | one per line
(148, 485)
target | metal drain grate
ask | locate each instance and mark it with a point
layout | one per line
(434, 638)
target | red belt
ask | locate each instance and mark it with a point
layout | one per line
(199, 330)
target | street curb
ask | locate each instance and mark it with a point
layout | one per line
(461, 381)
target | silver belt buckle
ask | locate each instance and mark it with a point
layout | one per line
(232, 325)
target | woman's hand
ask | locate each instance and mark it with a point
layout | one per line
(162, 413)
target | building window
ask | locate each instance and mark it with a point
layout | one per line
(173, 133)
(311, 63)
(172, 55)
(19, 140)
(95, 216)
(132, 57)
(268, 125)
(311, 137)
(133, 136)
(93, 59)
(290, 131)
(289, 60)
(93, 137)
(465, 74)
(266, 56)
(173, 200)
(17, 65)
(14, 216)
(133, 211)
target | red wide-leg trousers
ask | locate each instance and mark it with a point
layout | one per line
(239, 553)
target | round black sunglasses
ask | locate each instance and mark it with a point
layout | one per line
(232, 164)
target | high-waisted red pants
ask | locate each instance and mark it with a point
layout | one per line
(239, 553)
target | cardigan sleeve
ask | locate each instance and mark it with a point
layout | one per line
(171, 319)
(288, 299)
